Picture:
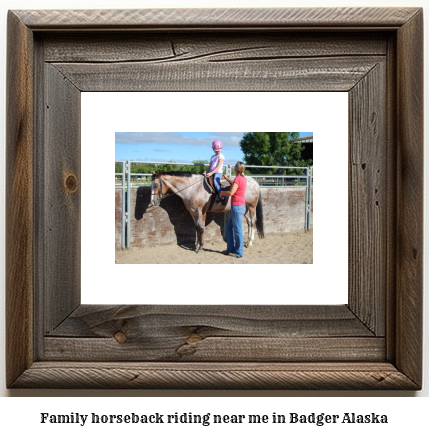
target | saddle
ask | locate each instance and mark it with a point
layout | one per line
(209, 183)
(215, 197)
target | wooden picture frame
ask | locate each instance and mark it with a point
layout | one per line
(373, 342)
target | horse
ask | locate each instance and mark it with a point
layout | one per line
(196, 195)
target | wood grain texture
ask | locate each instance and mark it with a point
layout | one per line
(189, 347)
(39, 217)
(193, 348)
(99, 321)
(206, 18)
(391, 192)
(324, 74)
(368, 202)
(61, 184)
(215, 376)
(200, 47)
(213, 333)
(19, 200)
(409, 273)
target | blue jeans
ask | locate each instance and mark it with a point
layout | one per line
(234, 231)
(216, 181)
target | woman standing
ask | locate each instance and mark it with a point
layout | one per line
(234, 228)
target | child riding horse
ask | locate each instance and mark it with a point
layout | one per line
(196, 197)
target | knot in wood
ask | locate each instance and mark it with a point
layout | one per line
(71, 183)
(193, 337)
(120, 337)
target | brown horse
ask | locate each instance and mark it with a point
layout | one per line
(196, 196)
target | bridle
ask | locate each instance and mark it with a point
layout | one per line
(157, 202)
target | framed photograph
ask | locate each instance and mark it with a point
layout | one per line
(163, 237)
(374, 341)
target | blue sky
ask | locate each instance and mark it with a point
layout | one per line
(179, 147)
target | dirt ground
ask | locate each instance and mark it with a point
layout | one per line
(291, 248)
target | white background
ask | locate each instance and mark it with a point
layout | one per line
(20, 414)
(324, 113)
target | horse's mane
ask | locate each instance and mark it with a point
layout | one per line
(175, 173)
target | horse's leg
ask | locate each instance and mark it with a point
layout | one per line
(249, 226)
(198, 244)
(252, 224)
(200, 220)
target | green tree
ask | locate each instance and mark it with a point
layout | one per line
(173, 166)
(200, 168)
(142, 168)
(272, 149)
(147, 168)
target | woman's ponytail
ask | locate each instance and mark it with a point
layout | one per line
(240, 167)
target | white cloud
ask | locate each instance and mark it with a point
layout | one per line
(173, 138)
(148, 138)
(154, 159)
(228, 134)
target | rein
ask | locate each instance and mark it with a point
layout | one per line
(160, 197)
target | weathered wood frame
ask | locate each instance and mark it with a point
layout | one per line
(374, 342)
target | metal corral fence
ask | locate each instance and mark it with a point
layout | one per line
(126, 178)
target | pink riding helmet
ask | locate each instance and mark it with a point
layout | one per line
(217, 145)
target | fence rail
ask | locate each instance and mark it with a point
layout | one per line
(265, 180)
(126, 180)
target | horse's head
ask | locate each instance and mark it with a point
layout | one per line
(158, 189)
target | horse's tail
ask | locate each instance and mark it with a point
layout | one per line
(260, 217)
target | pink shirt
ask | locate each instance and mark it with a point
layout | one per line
(238, 199)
